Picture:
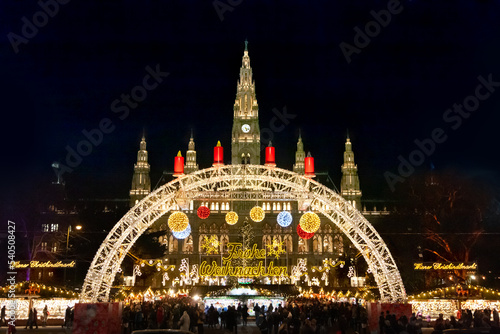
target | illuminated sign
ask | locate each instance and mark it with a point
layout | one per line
(444, 266)
(44, 264)
(235, 251)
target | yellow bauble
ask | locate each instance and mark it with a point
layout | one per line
(231, 217)
(257, 214)
(178, 221)
(309, 222)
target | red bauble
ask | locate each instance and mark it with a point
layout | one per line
(203, 212)
(303, 234)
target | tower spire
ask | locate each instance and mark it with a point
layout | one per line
(349, 186)
(141, 182)
(191, 165)
(300, 156)
(245, 144)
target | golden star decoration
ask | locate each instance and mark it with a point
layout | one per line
(275, 248)
(210, 245)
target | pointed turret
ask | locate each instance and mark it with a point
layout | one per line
(300, 157)
(191, 165)
(141, 183)
(349, 186)
(245, 145)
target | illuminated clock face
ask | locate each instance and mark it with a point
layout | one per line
(245, 128)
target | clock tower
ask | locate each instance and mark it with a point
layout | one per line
(245, 144)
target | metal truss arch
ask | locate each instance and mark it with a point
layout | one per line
(233, 181)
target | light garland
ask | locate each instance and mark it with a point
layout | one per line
(303, 234)
(310, 222)
(284, 218)
(183, 234)
(351, 272)
(231, 217)
(257, 214)
(178, 221)
(203, 212)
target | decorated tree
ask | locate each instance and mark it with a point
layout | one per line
(442, 220)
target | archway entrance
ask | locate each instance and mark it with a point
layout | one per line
(256, 181)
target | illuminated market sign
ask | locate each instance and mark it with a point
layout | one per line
(235, 252)
(44, 264)
(444, 266)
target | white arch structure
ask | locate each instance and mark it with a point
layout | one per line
(249, 180)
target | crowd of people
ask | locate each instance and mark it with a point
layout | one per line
(297, 316)
(466, 319)
(169, 313)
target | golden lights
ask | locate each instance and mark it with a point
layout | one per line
(310, 222)
(257, 214)
(231, 217)
(178, 221)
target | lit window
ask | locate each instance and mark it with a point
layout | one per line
(51, 273)
(43, 246)
(54, 247)
(54, 227)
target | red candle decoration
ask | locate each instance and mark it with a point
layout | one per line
(218, 155)
(178, 165)
(303, 234)
(203, 212)
(270, 161)
(309, 166)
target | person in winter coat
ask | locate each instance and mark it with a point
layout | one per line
(185, 321)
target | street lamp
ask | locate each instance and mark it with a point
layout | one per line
(77, 227)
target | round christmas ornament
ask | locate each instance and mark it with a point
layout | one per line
(303, 234)
(231, 217)
(309, 222)
(203, 212)
(257, 214)
(178, 221)
(184, 234)
(284, 218)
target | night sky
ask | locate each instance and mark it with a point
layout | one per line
(64, 79)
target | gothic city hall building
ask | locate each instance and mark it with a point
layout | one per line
(250, 235)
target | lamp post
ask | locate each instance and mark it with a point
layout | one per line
(77, 227)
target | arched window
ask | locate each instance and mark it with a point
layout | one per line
(317, 244)
(266, 240)
(224, 240)
(338, 244)
(187, 247)
(303, 246)
(173, 245)
(202, 236)
(289, 243)
(327, 244)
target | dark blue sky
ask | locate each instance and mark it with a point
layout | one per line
(394, 91)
